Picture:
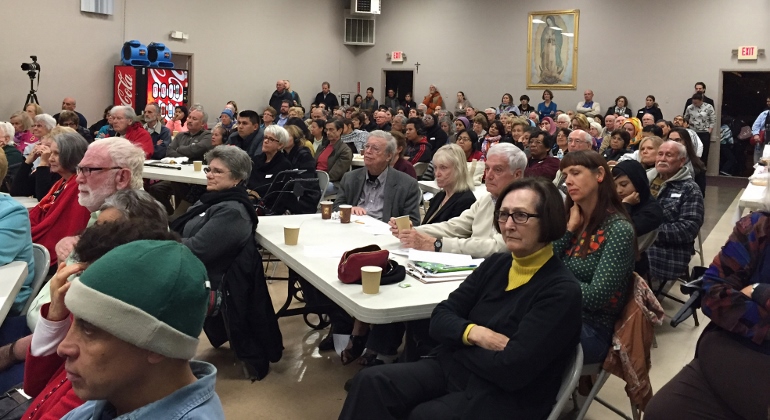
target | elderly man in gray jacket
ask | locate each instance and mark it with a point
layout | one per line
(377, 189)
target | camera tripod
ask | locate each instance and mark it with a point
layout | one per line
(32, 95)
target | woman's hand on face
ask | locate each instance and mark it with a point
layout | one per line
(487, 339)
(632, 199)
(45, 153)
(59, 285)
(575, 219)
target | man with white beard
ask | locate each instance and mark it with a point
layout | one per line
(109, 165)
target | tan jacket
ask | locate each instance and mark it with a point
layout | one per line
(472, 232)
(629, 357)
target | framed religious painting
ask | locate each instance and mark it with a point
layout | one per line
(552, 49)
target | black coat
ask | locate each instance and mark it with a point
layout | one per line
(457, 203)
(276, 99)
(262, 172)
(542, 318)
(436, 136)
(330, 100)
(655, 111)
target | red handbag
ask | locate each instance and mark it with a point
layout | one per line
(349, 269)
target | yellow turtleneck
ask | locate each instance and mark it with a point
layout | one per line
(524, 268)
(521, 273)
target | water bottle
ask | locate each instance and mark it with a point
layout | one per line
(560, 154)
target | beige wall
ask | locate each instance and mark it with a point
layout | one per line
(240, 50)
(629, 48)
(625, 48)
(76, 53)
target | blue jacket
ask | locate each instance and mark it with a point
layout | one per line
(195, 401)
(16, 240)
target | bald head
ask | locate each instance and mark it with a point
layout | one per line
(68, 104)
(588, 95)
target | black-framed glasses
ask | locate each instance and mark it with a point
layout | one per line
(86, 171)
(519, 217)
(208, 170)
(271, 139)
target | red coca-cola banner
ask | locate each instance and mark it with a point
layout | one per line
(125, 86)
(166, 87)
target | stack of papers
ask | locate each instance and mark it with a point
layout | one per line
(436, 267)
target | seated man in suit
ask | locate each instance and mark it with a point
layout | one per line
(377, 189)
(472, 232)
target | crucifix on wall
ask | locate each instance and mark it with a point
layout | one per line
(417, 65)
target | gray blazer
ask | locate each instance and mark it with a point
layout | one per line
(402, 194)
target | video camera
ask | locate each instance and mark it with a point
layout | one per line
(33, 66)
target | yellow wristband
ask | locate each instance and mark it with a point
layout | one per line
(465, 334)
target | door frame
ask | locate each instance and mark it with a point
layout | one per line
(714, 154)
(383, 81)
(190, 84)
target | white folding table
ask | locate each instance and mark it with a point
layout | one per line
(394, 303)
(185, 174)
(12, 276)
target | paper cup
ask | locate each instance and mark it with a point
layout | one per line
(326, 210)
(197, 165)
(345, 210)
(370, 279)
(403, 223)
(174, 133)
(290, 235)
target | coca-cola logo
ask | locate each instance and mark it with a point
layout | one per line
(125, 89)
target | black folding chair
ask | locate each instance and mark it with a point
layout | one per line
(694, 289)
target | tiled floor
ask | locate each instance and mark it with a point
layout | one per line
(307, 384)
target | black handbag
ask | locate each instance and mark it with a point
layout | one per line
(13, 405)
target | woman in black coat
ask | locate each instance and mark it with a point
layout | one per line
(270, 162)
(507, 333)
(650, 107)
(455, 197)
(646, 213)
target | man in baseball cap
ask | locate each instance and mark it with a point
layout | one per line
(138, 312)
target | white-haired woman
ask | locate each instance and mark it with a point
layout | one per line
(7, 144)
(34, 177)
(270, 162)
(43, 125)
(451, 174)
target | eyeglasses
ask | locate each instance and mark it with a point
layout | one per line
(464, 138)
(214, 171)
(373, 148)
(271, 139)
(519, 217)
(86, 171)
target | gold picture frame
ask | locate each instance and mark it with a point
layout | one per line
(552, 49)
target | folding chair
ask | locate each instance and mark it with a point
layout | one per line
(694, 289)
(603, 375)
(696, 273)
(568, 383)
(420, 168)
(42, 259)
(699, 249)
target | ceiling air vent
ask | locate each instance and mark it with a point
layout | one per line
(359, 31)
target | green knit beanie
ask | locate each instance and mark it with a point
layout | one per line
(152, 294)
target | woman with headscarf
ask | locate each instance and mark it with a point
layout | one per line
(633, 188)
(547, 124)
(634, 128)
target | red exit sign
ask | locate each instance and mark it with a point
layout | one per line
(397, 56)
(747, 53)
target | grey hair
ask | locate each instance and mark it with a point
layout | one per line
(422, 106)
(157, 109)
(453, 155)
(390, 142)
(584, 135)
(449, 124)
(136, 204)
(199, 108)
(234, 158)
(516, 158)
(278, 132)
(72, 147)
(679, 146)
(124, 154)
(563, 117)
(401, 118)
(490, 109)
(47, 120)
(128, 112)
(8, 130)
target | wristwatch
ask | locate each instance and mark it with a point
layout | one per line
(437, 245)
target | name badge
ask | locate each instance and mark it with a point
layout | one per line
(676, 195)
(268, 176)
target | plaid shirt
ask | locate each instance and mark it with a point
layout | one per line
(744, 260)
(683, 209)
